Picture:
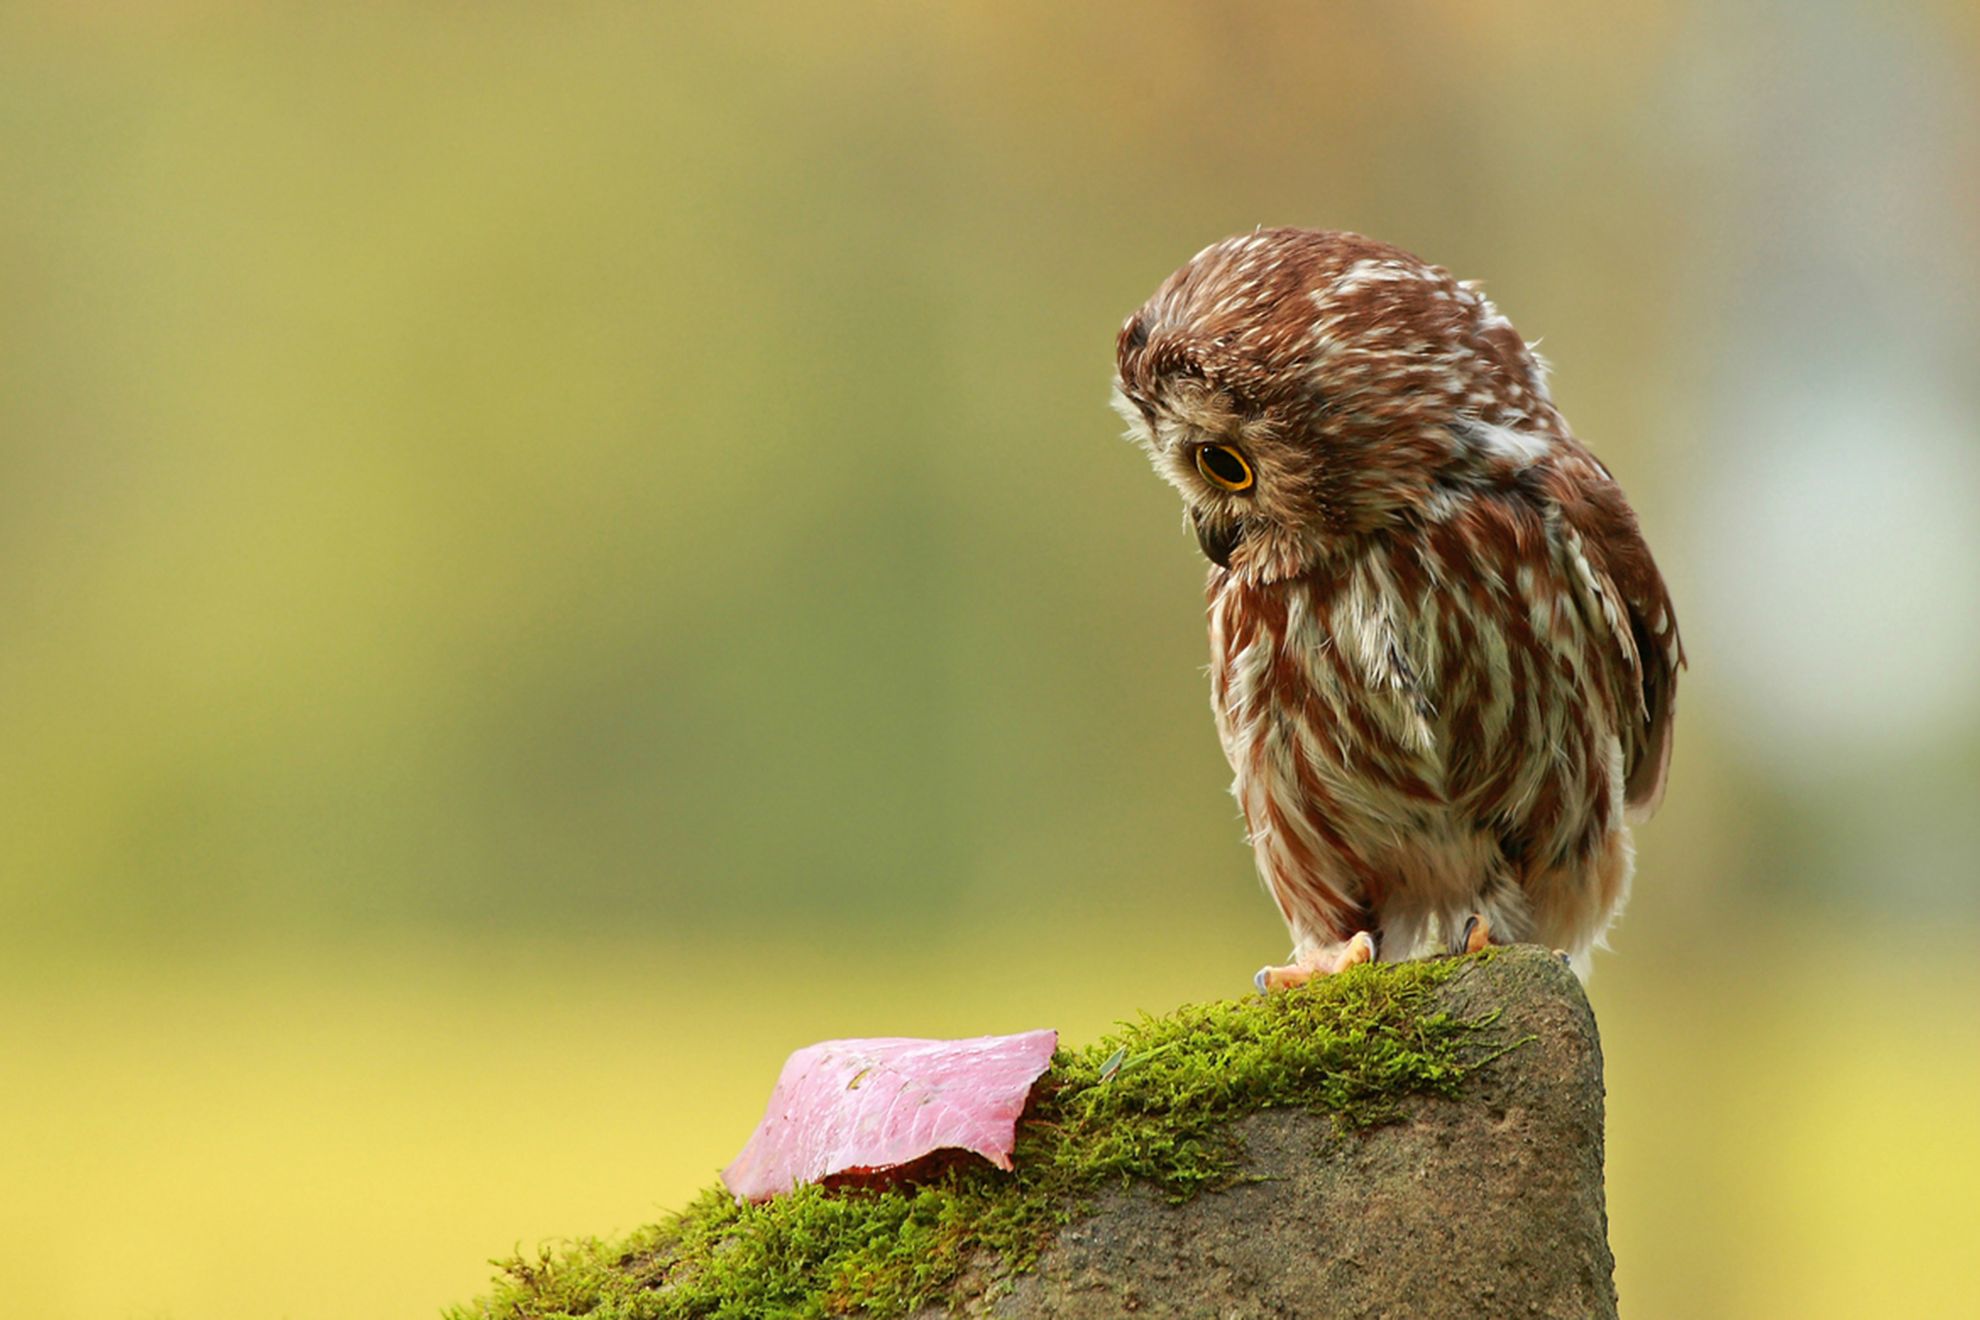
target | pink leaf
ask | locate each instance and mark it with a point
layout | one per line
(863, 1106)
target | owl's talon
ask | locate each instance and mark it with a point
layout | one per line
(1477, 933)
(1280, 978)
(1323, 961)
(1567, 959)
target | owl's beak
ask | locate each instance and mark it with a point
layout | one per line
(1216, 536)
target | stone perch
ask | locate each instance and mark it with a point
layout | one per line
(1485, 1205)
(1414, 1140)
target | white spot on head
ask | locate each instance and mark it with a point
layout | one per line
(1522, 448)
(1376, 270)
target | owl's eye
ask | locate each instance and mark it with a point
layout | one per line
(1225, 467)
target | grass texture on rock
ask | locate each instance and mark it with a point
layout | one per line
(1153, 1101)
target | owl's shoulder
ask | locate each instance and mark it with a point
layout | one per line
(1606, 547)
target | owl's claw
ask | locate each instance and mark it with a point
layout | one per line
(1477, 933)
(1324, 961)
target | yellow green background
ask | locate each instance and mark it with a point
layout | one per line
(551, 554)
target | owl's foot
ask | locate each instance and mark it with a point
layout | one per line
(1477, 933)
(1324, 960)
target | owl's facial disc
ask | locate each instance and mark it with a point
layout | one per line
(1218, 536)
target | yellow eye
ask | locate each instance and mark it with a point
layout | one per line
(1224, 466)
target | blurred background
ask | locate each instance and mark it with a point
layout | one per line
(550, 555)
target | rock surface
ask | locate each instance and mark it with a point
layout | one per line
(1489, 1205)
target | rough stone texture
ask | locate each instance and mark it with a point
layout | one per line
(1490, 1205)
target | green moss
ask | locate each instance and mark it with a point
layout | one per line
(1153, 1101)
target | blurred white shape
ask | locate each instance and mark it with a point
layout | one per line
(1839, 583)
(1835, 584)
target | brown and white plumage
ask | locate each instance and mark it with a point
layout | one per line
(1443, 661)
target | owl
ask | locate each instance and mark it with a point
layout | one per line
(1443, 663)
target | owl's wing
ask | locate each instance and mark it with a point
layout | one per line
(1615, 567)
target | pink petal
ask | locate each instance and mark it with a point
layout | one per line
(862, 1106)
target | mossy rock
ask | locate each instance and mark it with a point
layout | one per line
(1413, 1140)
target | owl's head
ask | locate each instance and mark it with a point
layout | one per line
(1302, 388)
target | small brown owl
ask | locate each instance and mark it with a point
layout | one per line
(1443, 663)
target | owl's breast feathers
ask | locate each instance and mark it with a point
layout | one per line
(1486, 685)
